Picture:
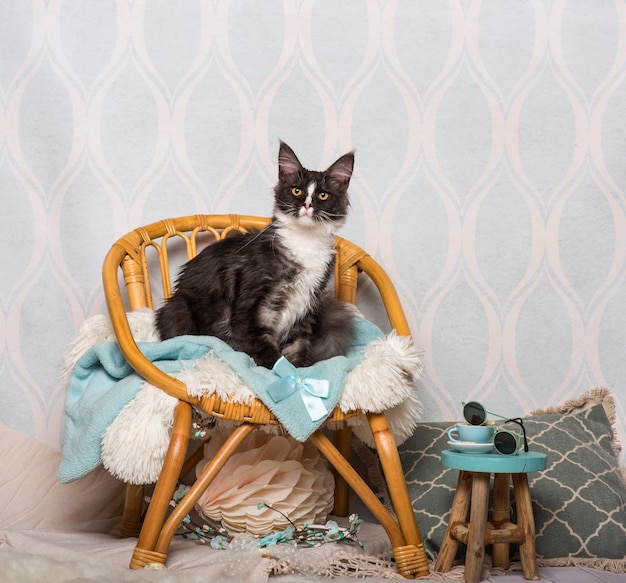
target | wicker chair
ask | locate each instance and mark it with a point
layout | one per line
(156, 530)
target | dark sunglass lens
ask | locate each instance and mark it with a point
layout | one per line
(474, 413)
(505, 442)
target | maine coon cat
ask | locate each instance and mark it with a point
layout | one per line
(266, 293)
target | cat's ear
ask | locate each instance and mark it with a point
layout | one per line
(288, 164)
(341, 171)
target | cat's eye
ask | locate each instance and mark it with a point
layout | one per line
(323, 196)
(296, 191)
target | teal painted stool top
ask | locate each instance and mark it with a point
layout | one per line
(494, 463)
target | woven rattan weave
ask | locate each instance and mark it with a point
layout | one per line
(145, 257)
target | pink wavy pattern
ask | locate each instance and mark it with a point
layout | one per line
(443, 161)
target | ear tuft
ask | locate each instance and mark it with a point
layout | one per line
(288, 164)
(341, 170)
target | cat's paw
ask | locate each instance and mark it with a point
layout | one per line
(265, 354)
(298, 353)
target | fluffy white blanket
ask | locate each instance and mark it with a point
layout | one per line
(135, 444)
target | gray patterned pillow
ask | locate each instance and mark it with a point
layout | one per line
(579, 501)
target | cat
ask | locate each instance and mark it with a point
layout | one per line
(266, 292)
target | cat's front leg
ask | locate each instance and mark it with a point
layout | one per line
(296, 347)
(264, 350)
(298, 352)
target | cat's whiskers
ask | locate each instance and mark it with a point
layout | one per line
(274, 237)
(256, 236)
(331, 216)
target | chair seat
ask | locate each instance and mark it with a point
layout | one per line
(256, 411)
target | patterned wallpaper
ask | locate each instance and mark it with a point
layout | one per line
(490, 177)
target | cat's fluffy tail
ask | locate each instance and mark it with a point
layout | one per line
(334, 330)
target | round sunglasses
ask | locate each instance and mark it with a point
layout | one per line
(505, 441)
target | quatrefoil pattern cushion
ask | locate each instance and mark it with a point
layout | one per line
(579, 501)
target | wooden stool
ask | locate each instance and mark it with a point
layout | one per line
(473, 485)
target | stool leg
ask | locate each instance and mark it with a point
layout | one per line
(501, 515)
(526, 521)
(458, 515)
(475, 554)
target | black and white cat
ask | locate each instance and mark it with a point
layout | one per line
(266, 293)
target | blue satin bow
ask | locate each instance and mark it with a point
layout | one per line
(311, 390)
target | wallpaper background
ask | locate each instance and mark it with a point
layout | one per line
(490, 170)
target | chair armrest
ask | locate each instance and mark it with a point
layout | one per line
(388, 293)
(121, 327)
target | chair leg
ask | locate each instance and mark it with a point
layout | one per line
(199, 486)
(193, 460)
(410, 557)
(144, 552)
(394, 476)
(526, 521)
(133, 509)
(343, 442)
(357, 483)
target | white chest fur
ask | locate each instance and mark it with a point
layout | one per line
(312, 246)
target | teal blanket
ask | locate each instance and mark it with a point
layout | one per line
(102, 383)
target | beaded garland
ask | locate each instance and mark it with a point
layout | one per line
(307, 535)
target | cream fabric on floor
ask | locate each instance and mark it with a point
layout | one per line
(58, 532)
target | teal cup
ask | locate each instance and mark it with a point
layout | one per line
(470, 433)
